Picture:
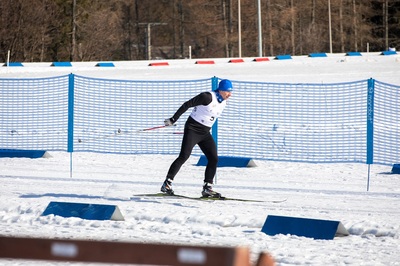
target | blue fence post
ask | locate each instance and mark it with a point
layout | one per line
(71, 80)
(370, 121)
(370, 126)
(214, 129)
(70, 144)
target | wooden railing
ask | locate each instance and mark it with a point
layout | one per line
(126, 253)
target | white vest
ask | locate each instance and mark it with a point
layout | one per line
(207, 114)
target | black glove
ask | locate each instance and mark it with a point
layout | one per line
(169, 122)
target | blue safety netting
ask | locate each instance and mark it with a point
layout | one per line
(342, 122)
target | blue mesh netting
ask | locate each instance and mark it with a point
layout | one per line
(34, 113)
(295, 122)
(272, 121)
(386, 148)
(110, 114)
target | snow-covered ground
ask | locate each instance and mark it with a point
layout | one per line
(321, 191)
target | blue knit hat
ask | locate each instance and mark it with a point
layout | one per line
(225, 85)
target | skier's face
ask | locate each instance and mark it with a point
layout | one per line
(225, 94)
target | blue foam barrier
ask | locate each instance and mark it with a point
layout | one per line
(317, 55)
(312, 228)
(14, 64)
(228, 161)
(61, 64)
(283, 57)
(388, 53)
(353, 54)
(84, 211)
(105, 64)
(23, 153)
(396, 169)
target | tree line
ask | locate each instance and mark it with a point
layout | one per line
(86, 30)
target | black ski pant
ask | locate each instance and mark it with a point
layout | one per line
(203, 138)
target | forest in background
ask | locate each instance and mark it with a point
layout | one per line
(113, 30)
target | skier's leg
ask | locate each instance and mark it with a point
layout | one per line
(209, 148)
(188, 142)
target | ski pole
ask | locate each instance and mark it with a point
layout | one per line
(152, 128)
(119, 132)
(142, 130)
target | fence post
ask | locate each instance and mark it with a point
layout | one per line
(214, 129)
(370, 126)
(70, 144)
(71, 80)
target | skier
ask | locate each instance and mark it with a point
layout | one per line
(208, 106)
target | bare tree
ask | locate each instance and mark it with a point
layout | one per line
(58, 30)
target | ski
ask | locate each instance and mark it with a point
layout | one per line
(178, 196)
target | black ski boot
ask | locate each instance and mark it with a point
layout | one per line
(208, 192)
(167, 187)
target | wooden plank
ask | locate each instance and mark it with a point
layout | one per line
(121, 252)
(265, 259)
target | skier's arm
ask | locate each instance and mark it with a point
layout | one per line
(203, 98)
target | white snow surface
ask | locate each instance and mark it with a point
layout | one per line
(320, 191)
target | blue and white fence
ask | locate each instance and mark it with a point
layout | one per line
(343, 122)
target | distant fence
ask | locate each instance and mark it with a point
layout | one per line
(343, 122)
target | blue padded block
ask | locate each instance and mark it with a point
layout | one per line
(105, 64)
(317, 55)
(61, 64)
(388, 53)
(22, 153)
(396, 169)
(313, 228)
(228, 161)
(283, 57)
(84, 210)
(14, 64)
(353, 54)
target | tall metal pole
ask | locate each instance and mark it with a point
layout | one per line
(148, 38)
(330, 26)
(259, 30)
(239, 30)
